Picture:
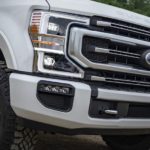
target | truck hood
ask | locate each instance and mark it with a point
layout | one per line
(90, 8)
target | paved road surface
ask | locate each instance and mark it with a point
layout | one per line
(60, 142)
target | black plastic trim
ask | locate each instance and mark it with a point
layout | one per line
(126, 110)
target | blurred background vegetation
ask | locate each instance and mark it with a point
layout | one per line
(139, 6)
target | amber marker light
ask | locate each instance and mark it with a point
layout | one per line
(45, 43)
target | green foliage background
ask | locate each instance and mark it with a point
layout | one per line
(139, 6)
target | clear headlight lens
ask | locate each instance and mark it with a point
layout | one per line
(48, 33)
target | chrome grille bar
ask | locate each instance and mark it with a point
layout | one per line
(123, 81)
(123, 27)
(115, 52)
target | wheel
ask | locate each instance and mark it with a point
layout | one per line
(12, 135)
(139, 142)
(24, 139)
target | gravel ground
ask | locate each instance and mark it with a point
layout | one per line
(60, 142)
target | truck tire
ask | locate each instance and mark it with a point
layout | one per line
(12, 135)
(139, 142)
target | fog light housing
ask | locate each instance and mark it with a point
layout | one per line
(56, 96)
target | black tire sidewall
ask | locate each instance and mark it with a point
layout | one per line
(2, 117)
(7, 121)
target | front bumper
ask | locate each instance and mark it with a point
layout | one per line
(23, 94)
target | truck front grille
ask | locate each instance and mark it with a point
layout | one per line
(108, 51)
(112, 51)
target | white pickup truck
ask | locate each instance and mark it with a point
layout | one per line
(73, 67)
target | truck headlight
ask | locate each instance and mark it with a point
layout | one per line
(48, 32)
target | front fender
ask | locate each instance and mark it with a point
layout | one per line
(15, 42)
